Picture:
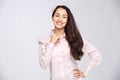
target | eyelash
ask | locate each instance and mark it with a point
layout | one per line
(64, 17)
(58, 16)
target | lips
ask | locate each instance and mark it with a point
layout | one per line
(59, 23)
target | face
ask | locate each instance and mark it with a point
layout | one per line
(60, 18)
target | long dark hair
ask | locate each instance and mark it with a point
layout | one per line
(73, 35)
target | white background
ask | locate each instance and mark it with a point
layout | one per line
(22, 22)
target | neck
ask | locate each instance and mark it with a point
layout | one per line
(59, 31)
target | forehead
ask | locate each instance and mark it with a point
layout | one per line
(61, 11)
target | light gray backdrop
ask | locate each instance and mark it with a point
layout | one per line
(22, 22)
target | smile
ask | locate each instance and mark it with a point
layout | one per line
(59, 23)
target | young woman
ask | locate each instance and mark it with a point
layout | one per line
(64, 46)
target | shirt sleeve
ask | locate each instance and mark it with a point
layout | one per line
(45, 53)
(94, 55)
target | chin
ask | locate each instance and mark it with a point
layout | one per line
(59, 27)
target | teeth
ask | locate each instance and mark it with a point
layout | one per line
(59, 23)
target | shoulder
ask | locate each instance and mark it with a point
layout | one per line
(84, 41)
(44, 39)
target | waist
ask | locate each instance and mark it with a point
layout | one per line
(59, 71)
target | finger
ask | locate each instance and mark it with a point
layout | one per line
(81, 74)
(77, 71)
(77, 76)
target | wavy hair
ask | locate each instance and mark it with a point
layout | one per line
(73, 35)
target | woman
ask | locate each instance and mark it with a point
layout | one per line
(64, 46)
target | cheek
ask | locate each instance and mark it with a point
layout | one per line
(65, 21)
(54, 19)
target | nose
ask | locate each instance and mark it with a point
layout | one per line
(60, 19)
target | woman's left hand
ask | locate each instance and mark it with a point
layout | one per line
(78, 74)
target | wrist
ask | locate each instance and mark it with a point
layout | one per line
(85, 74)
(52, 41)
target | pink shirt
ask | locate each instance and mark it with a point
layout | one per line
(57, 57)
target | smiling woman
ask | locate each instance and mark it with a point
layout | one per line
(65, 45)
(60, 18)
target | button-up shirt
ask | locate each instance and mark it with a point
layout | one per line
(58, 58)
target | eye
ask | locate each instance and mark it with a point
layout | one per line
(57, 15)
(65, 17)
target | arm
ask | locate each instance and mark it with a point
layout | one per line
(45, 53)
(93, 53)
(46, 48)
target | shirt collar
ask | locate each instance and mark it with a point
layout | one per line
(63, 36)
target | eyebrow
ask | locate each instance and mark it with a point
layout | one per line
(63, 14)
